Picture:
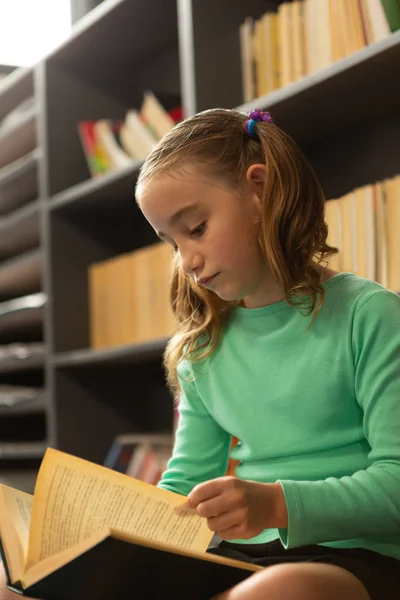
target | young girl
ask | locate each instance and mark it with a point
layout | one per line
(299, 362)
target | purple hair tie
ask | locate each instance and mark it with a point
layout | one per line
(256, 115)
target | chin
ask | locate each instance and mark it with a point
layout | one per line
(229, 296)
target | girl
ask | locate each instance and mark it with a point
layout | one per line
(299, 362)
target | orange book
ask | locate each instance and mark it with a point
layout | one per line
(285, 34)
(337, 34)
(298, 46)
(391, 189)
(97, 305)
(381, 236)
(260, 55)
(334, 221)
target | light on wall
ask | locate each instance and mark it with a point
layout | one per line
(29, 29)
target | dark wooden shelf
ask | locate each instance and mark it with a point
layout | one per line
(19, 182)
(18, 139)
(355, 90)
(123, 27)
(21, 365)
(21, 275)
(19, 231)
(106, 192)
(22, 450)
(121, 355)
(38, 405)
(22, 314)
(14, 89)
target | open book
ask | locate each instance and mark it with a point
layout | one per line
(89, 532)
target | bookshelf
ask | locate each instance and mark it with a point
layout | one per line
(346, 118)
(132, 354)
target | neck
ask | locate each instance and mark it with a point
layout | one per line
(269, 292)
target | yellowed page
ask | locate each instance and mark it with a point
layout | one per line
(74, 499)
(15, 518)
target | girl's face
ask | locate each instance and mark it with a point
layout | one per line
(214, 231)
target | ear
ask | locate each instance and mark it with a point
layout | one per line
(255, 177)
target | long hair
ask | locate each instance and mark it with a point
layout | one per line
(292, 230)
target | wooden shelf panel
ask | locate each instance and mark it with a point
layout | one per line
(122, 355)
(19, 182)
(22, 314)
(20, 231)
(124, 27)
(21, 275)
(19, 139)
(38, 405)
(22, 450)
(19, 365)
(107, 192)
(14, 89)
(355, 90)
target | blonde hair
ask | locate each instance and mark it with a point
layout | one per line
(292, 231)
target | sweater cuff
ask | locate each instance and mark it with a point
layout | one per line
(290, 537)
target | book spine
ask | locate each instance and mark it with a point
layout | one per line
(85, 129)
(17, 588)
(392, 11)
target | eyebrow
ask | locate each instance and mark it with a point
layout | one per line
(176, 217)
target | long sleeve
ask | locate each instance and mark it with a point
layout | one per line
(368, 502)
(201, 445)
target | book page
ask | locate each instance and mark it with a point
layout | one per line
(74, 499)
(15, 519)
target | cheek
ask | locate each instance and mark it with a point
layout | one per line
(237, 253)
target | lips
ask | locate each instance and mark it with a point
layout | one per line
(206, 280)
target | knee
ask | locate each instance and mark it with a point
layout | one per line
(313, 581)
(300, 581)
(289, 581)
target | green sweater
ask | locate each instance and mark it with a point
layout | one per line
(317, 411)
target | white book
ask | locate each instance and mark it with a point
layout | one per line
(135, 136)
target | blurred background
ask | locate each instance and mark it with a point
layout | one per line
(87, 89)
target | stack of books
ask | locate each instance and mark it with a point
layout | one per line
(110, 145)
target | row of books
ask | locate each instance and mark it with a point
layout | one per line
(146, 456)
(111, 145)
(306, 35)
(129, 297)
(142, 456)
(364, 225)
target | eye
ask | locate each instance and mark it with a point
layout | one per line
(198, 231)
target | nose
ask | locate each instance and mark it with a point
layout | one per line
(191, 262)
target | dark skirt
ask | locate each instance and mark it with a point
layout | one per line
(379, 574)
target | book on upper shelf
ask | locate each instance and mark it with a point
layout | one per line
(110, 145)
(303, 36)
(89, 528)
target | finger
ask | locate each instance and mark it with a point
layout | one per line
(213, 507)
(224, 522)
(231, 533)
(205, 491)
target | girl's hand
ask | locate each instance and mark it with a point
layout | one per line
(239, 509)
